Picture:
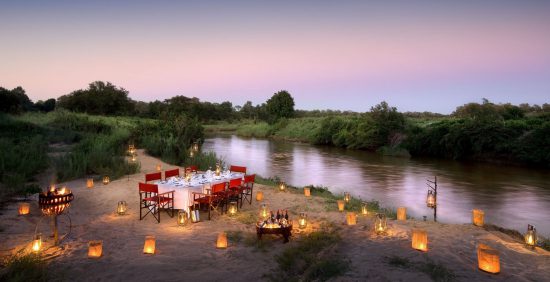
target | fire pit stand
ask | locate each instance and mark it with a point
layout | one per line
(54, 203)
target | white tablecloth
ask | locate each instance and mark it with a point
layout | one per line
(183, 190)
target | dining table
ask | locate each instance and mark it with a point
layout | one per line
(199, 182)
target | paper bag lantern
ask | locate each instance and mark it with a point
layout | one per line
(282, 186)
(341, 204)
(351, 218)
(221, 243)
(307, 191)
(420, 240)
(159, 167)
(149, 246)
(347, 197)
(95, 249)
(488, 259)
(259, 196)
(90, 183)
(402, 213)
(477, 217)
(24, 208)
(302, 221)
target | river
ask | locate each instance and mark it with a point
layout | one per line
(511, 197)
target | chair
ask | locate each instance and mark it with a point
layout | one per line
(216, 198)
(248, 187)
(171, 173)
(153, 176)
(235, 168)
(153, 201)
(192, 168)
(235, 189)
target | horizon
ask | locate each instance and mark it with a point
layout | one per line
(424, 56)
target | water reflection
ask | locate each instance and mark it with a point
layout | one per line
(511, 197)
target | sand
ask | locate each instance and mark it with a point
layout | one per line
(189, 253)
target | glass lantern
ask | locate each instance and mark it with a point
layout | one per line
(121, 208)
(37, 243)
(282, 186)
(183, 218)
(347, 197)
(531, 236)
(380, 225)
(430, 199)
(232, 208)
(364, 209)
(302, 221)
(264, 211)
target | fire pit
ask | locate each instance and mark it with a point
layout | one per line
(53, 203)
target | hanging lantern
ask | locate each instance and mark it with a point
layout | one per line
(37, 243)
(402, 213)
(347, 197)
(307, 191)
(282, 186)
(232, 208)
(431, 201)
(149, 246)
(95, 249)
(221, 243)
(351, 218)
(341, 205)
(90, 183)
(24, 208)
(183, 218)
(488, 259)
(159, 167)
(302, 221)
(364, 209)
(531, 236)
(106, 180)
(264, 211)
(420, 240)
(380, 225)
(121, 208)
(259, 196)
(477, 217)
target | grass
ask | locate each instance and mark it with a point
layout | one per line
(234, 236)
(397, 261)
(246, 217)
(23, 267)
(251, 240)
(435, 270)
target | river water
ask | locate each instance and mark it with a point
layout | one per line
(511, 197)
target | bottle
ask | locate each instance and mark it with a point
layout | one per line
(272, 217)
(286, 215)
(278, 216)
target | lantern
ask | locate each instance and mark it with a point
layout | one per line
(183, 218)
(488, 259)
(37, 243)
(402, 213)
(90, 183)
(531, 236)
(121, 208)
(477, 217)
(196, 146)
(159, 167)
(24, 208)
(133, 159)
(218, 170)
(188, 176)
(191, 153)
(302, 221)
(380, 225)
(264, 211)
(131, 149)
(307, 191)
(95, 249)
(364, 209)
(232, 208)
(341, 204)
(221, 243)
(347, 197)
(431, 201)
(420, 240)
(149, 246)
(351, 218)
(106, 180)
(282, 186)
(259, 196)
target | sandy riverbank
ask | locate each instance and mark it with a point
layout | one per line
(189, 254)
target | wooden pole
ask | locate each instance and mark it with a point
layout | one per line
(435, 195)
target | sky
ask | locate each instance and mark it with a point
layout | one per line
(342, 55)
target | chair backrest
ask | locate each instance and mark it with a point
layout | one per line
(217, 188)
(172, 172)
(235, 168)
(235, 182)
(249, 178)
(191, 168)
(148, 188)
(153, 176)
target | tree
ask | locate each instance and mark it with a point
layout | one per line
(280, 105)
(100, 98)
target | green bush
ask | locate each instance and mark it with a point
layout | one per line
(24, 267)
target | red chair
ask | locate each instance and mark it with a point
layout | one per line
(192, 168)
(247, 188)
(150, 199)
(171, 173)
(216, 198)
(153, 176)
(235, 168)
(235, 189)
